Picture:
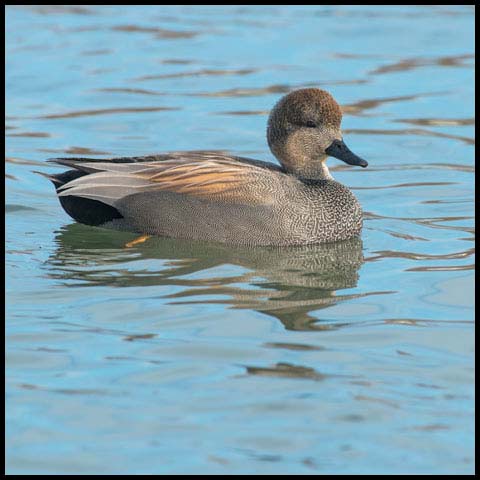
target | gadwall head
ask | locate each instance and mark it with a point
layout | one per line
(303, 129)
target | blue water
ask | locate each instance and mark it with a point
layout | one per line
(183, 357)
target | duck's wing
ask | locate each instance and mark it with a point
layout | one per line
(207, 175)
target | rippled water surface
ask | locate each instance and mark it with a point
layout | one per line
(181, 357)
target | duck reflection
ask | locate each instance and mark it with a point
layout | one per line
(286, 283)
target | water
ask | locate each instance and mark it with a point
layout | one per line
(178, 357)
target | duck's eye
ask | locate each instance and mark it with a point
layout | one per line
(310, 124)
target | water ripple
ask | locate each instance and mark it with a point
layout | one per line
(438, 122)
(417, 62)
(409, 131)
(105, 111)
(158, 32)
(197, 73)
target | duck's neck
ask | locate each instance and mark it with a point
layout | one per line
(308, 169)
(319, 172)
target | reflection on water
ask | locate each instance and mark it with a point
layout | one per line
(290, 282)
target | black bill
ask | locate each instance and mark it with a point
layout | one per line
(339, 150)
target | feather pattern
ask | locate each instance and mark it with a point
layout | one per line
(202, 174)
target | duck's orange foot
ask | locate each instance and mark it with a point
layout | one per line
(141, 239)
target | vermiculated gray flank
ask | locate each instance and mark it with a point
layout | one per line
(216, 197)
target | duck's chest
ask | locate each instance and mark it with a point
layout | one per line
(325, 211)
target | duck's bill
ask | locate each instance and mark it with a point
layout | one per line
(339, 150)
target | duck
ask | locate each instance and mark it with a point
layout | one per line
(216, 197)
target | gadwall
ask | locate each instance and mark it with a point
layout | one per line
(206, 195)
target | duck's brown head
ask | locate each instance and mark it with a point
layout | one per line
(303, 129)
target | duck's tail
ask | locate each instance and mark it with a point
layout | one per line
(83, 210)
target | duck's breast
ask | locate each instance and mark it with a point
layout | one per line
(324, 211)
